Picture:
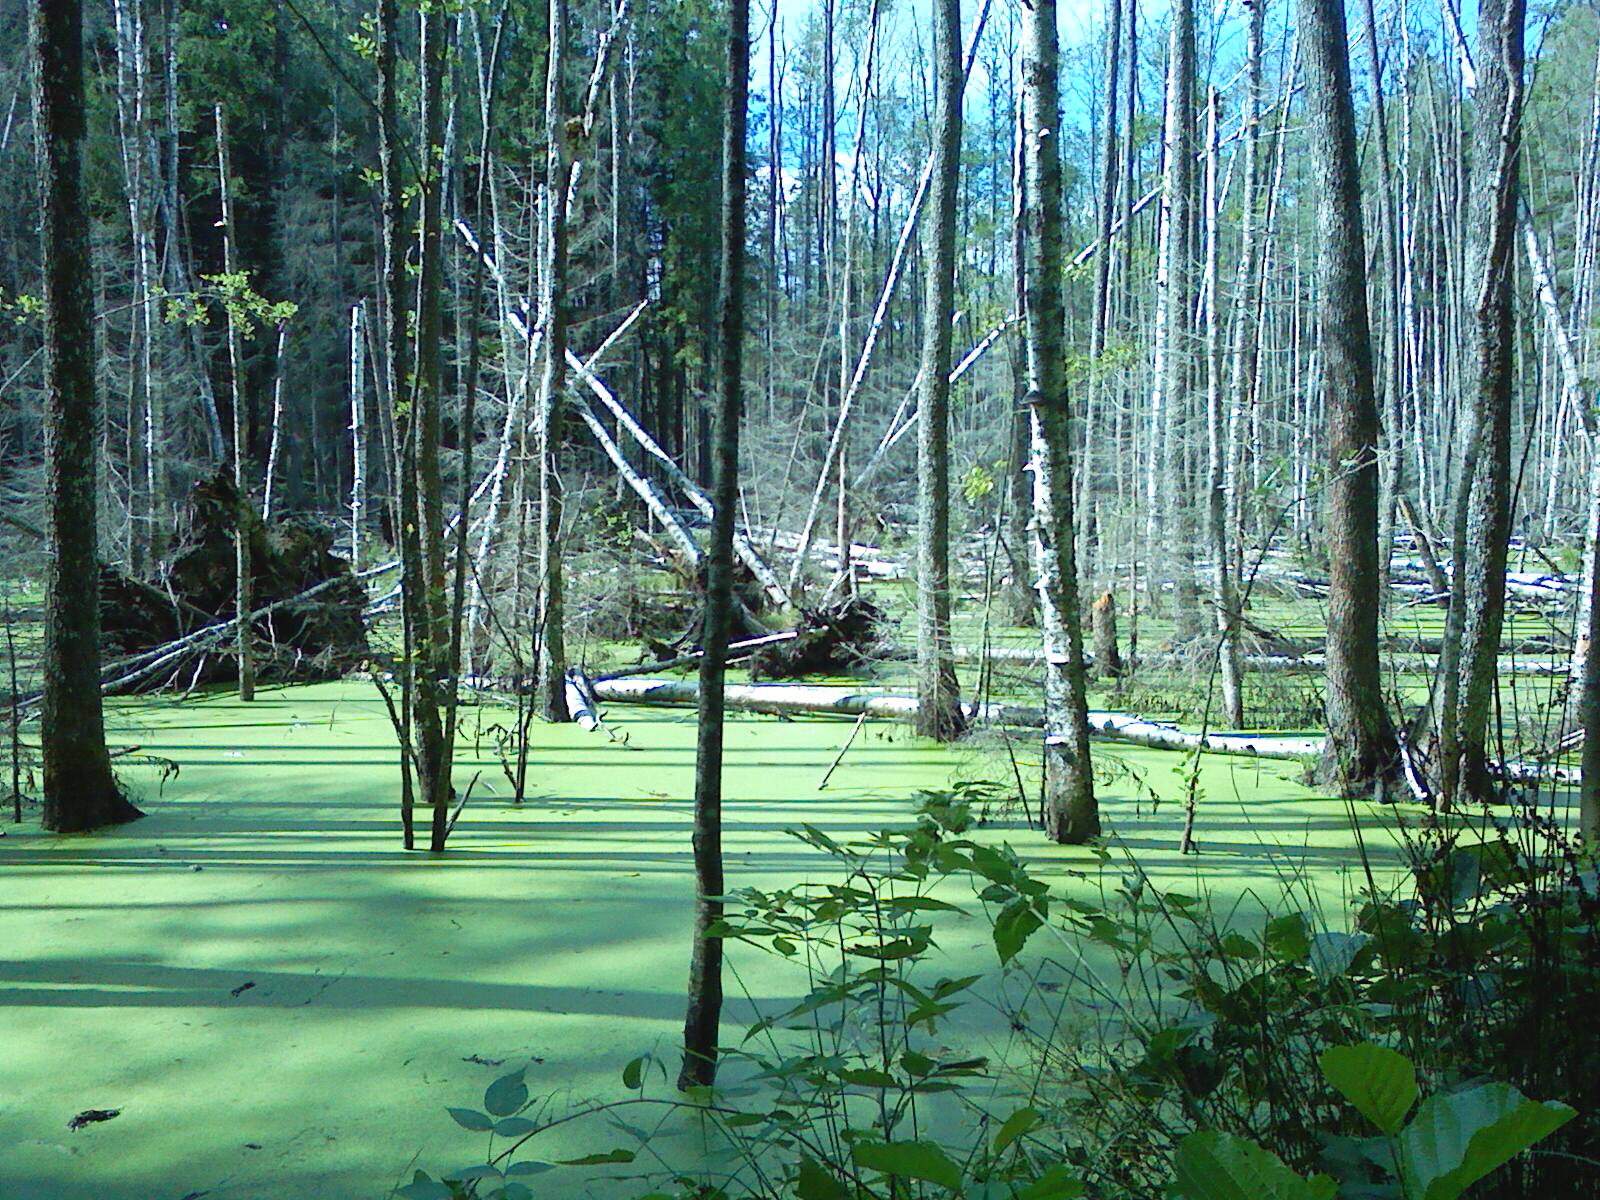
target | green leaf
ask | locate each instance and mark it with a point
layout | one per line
(1458, 1138)
(506, 1095)
(478, 1171)
(511, 1127)
(1287, 939)
(909, 1160)
(529, 1166)
(1014, 926)
(816, 1182)
(1057, 1183)
(423, 1188)
(596, 1160)
(1219, 1166)
(471, 1119)
(1380, 1082)
(633, 1073)
(1018, 1123)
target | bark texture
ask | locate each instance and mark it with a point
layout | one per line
(79, 790)
(1491, 255)
(1360, 757)
(703, 1015)
(939, 714)
(1071, 814)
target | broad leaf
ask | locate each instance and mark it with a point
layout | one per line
(1018, 1123)
(1458, 1138)
(423, 1188)
(1057, 1183)
(471, 1119)
(506, 1095)
(1014, 926)
(909, 1160)
(1380, 1082)
(1219, 1166)
(596, 1160)
(816, 1182)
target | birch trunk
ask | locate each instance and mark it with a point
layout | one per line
(1071, 813)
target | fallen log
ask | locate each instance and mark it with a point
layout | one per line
(803, 699)
(816, 700)
(1264, 663)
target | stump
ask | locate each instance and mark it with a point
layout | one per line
(1107, 658)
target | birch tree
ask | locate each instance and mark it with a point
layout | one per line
(1071, 815)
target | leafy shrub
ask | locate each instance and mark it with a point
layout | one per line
(1163, 1047)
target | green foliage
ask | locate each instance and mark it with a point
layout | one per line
(1206, 1057)
(1380, 1082)
(1219, 1166)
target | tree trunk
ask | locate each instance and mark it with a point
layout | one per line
(1361, 754)
(246, 516)
(939, 715)
(396, 393)
(1223, 600)
(1589, 705)
(1071, 814)
(1481, 575)
(552, 665)
(426, 513)
(704, 1010)
(79, 790)
(1107, 658)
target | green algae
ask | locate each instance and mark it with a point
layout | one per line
(281, 1002)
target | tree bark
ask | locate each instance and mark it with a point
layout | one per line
(704, 1010)
(552, 665)
(426, 513)
(79, 790)
(1361, 755)
(939, 714)
(1071, 813)
(394, 377)
(1481, 582)
(245, 518)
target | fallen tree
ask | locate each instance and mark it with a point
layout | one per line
(308, 624)
(801, 699)
(823, 700)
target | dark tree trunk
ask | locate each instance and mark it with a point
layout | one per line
(1361, 754)
(938, 693)
(432, 604)
(705, 966)
(395, 372)
(1496, 148)
(79, 790)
